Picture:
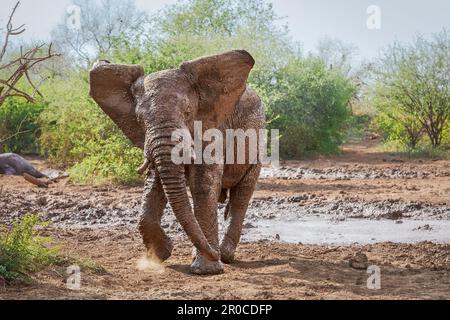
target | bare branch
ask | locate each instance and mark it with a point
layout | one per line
(21, 65)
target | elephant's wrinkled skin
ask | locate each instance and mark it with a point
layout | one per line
(149, 108)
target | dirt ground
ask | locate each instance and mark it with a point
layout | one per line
(98, 224)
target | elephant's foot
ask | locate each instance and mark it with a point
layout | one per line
(158, 244)
(161, 251)
(204, 266)
(227, 251)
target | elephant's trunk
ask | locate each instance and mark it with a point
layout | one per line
(159, 148)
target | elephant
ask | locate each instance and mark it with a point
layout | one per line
(13, 164)
(148, 108)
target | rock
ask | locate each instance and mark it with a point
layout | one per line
(359, 261)
(426, 227)
(296, 199)
(248, 225)
(335, 207)
(394, 215)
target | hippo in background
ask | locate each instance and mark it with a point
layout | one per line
(13, 164)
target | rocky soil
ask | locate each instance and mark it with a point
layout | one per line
(99, 223)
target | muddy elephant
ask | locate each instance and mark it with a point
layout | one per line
(13, 164)
(148, 109)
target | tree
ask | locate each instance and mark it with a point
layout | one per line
(20, 67)
(310, 106)
(303, 97)
(193, 28)
(413, 87)
(224, 17)
(337, 54)
(100, 25)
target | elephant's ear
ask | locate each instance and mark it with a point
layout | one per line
(220, 81)
(110, 87)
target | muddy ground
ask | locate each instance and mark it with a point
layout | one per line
(361, 186)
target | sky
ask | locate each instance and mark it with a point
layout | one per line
(308, 20)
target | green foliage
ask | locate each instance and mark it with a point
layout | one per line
(357, 126)
(422, 150)
(107, 161)
(85, 264)
(18, 126)
(412, 94)
(24, 250)
(308, 101)
(311, 105)
(89, 264)
(77, 133)
(396, 125)
(303, 98)
(70, 120)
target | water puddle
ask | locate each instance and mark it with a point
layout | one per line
(322, 231)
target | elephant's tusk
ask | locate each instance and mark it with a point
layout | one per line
(141, 170)
(193, 156)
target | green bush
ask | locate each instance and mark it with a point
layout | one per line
(396, 126)
(310, 107)
(24, 250)
(303, 98)
(111, 160)
(422, 150)
(19, 127)
(77, 134)
(412, 91)
(357, 127)
(306, 101)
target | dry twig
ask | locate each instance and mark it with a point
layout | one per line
(20, 67)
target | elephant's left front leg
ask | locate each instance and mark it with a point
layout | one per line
(153, 203)
(205, 184)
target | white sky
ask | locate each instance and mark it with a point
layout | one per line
(309, 20)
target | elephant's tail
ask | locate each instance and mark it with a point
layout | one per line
(222, 199)
(227, 211)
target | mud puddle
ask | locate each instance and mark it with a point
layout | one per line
(352, 172)
(323, 231)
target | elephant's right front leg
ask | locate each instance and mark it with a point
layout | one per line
(153, 203)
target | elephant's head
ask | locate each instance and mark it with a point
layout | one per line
(150, 108)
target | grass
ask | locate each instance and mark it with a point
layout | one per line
(421, 151)
(85, 264)
(24, 250)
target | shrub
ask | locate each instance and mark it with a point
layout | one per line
(76, 133)
(304, 99)
(395, 125)
(310, 107)
(24, 250)
(18, 126)
(413, 90)
(112, 160)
